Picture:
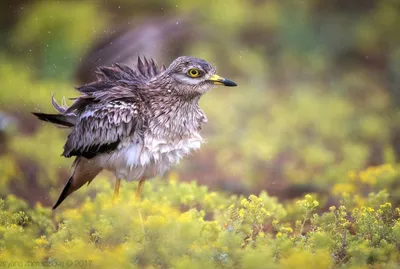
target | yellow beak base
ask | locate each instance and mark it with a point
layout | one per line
(217, 80)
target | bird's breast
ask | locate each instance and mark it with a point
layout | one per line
(151, 156)
(168, 151)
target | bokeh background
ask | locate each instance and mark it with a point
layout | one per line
(316, 110)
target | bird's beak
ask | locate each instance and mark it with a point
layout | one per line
(217, 80)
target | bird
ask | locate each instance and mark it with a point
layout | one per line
(136, 121)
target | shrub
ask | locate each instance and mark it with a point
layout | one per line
(217, 231)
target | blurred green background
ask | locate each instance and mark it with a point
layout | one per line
(315, 107)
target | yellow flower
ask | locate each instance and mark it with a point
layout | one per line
(288, 229)
(42, 241)
(352, 175)
(341, 188)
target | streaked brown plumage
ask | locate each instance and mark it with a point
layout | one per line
(134, 121)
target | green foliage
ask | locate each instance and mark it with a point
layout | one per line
(56, 33)
(248, 232)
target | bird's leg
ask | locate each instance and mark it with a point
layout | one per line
(140, 188)
(116, 189)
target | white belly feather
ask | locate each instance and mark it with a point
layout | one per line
(154, 156)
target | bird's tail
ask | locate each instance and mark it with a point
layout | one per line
(64, 119)
(57, 119)
(85, 171)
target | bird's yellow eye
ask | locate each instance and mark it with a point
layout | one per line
(193, 73)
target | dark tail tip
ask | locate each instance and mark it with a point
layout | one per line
(65, 192)
(40, 116)
(57, 119)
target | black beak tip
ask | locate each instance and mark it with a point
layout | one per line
(229, 83)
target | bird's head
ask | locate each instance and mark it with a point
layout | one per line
(193, 75)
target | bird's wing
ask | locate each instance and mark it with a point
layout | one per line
(102, 126)
(109, 109)
(145, 69)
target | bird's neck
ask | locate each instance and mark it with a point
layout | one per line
(175, 116)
